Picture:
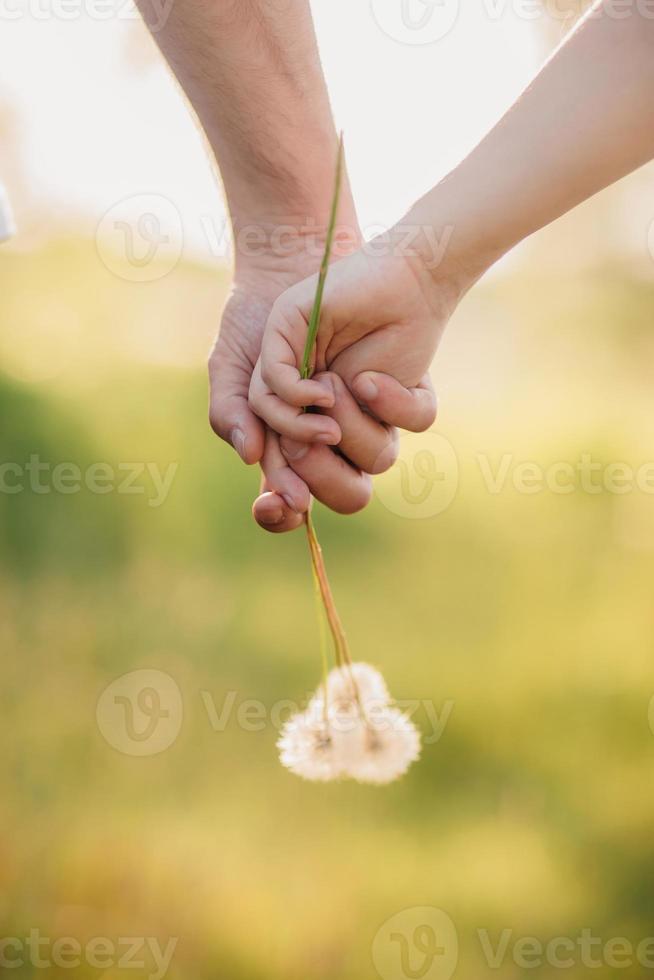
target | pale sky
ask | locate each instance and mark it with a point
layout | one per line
(98, 124)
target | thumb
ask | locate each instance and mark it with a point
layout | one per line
(407, 408)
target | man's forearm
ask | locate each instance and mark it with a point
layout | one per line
(252, 72)
(586, 120)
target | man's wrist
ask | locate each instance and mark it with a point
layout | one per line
(290, 183)
(291, 235)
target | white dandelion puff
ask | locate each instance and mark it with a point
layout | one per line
(356, 734)
(358, 680)
(311, 747)
(386, 745)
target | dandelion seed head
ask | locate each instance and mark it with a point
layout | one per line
(356, 734)
(344, 682)
(312, 748)
(384, 749)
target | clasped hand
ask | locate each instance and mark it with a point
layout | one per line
(382, 317)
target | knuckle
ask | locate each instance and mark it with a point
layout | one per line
(294, 398)
(357, 499)
(330, 379)
(254, 401)
(431, 413)
(387, 457)
(282, 316)
(425, 418)
(267, 375)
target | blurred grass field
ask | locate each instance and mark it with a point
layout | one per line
(531, 613)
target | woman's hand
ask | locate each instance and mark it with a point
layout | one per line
(382, 319)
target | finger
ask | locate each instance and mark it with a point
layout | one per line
(230, 415)
(332, 480)
(286, 496)
(272, 514)
(281, 373)
(282, 349)
(407, 408)
(288, 420)
(366, 442)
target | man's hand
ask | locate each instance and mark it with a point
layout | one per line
(252, 73)
(257, 284)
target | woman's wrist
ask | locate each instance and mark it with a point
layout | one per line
(450, 237)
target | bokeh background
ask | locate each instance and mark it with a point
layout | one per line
(526, 617)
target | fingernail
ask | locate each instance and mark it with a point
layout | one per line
(327, 438)
(276, 517)
(328, 399)
(294, 450)
(366, 388)
(237, 440)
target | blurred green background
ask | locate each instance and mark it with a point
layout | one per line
(529, 614)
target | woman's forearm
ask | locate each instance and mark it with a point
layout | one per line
(586, 120)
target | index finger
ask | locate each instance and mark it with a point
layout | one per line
(283, 346)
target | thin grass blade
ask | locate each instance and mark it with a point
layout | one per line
(314, 319)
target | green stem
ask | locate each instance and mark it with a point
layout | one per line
(314, 319)
(342, 653)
